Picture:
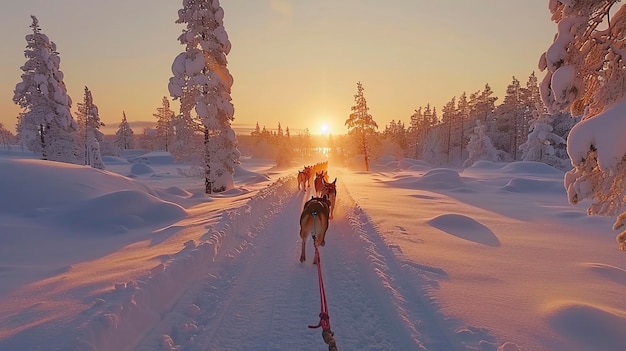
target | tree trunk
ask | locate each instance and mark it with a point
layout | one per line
(42, 131)
(365, 153)
(208, 184)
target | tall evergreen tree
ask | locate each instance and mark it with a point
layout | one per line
(47, 126)
(361, 125)
(448, 117)
(124, 136)
(165, 125)
(202, 83)
(463, 110)
(93, 136)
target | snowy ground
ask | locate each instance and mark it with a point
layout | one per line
(416, 258)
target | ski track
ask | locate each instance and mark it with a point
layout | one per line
(258, 296)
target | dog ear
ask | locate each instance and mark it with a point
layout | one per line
(334, 181)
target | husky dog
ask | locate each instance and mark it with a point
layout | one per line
(319, 181)
(314, 220)
(304, 178)
(330, 191)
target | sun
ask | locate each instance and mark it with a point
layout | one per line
(324, 129)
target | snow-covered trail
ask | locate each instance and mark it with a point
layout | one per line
(256, 295)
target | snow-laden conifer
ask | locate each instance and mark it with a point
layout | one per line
(164, 126)
(46, 125)
(361, 125)
(202, 83)
(585, 73)
(124, 136)
(541, 142)
(480, 146)
(93, 137)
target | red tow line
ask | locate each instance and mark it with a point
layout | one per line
(327, 334)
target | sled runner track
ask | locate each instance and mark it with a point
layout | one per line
(404, 285)
(258, 296)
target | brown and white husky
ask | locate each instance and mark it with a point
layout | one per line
(330, 191)
(314, 221)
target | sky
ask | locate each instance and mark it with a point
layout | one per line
(293, 62)
(492, 258)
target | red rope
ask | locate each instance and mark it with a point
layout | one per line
(324, 317)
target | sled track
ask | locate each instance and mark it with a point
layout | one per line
(254, 294)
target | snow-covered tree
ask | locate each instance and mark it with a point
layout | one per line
(480, 146)
(90, 124)
(46, 126)
(164, 126)
(509, 122)
(361, 125)
(124, 136)
(284, 152)
(202, 83)
(187, 145)
(585, 68)
(541, 140)
(6, 137)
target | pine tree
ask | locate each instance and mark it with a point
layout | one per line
(541, 140)
(46, 127)
(93, 136)
(124, 136)
(202, 82)
(5, 137)
(361, 125)
(164, 126)
(480, 146)
(585, 73)
(187, 146)
(463, 110)
(510, 117)
(448, 117)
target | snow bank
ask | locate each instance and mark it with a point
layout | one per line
(132, 308)
(37, 184)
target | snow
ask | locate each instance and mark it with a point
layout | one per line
(603, 132)
(491, 257)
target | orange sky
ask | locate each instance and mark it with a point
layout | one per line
(293, 62)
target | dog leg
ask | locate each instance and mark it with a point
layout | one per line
(303, 252)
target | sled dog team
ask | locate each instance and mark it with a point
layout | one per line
(319, 209)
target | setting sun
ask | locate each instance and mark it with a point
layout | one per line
(325, 129)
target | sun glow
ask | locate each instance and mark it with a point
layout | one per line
(325, 129)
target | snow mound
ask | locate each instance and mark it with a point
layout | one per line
(249, 177)
(154, 158)
(530, 167)
(112, 160)
(525, 185)
(465, 228)
(439, 178)
(414, 165)
(141, 169)
(595, 327)
(486, 165)
(608, 272)
(174, 190)
(33, 184)
(118, 211)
